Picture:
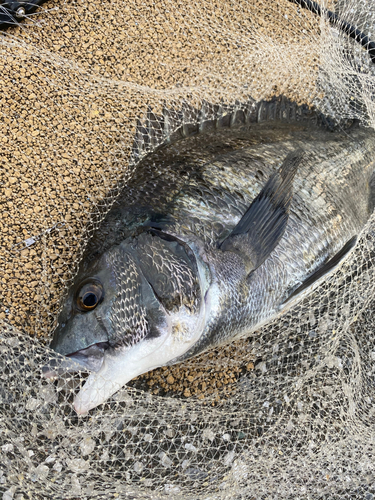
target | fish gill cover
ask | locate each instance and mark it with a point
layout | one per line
(88, 90)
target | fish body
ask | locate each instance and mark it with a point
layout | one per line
(213, 237)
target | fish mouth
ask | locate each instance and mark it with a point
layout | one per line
(91, 358)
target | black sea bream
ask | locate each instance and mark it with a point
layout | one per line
(213, 236)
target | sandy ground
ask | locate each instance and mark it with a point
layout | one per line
(74, 79)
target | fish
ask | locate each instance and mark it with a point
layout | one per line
(215, 234)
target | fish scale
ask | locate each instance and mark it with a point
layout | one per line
(226, 229)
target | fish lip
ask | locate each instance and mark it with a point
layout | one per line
(91, 358)
(99, 346)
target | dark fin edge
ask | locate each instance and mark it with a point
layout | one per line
(326, 268)
(371, 198)
(263, 224)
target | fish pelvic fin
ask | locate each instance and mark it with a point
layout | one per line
(263, 224)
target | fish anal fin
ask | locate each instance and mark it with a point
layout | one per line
(325, 269)
(263, 224)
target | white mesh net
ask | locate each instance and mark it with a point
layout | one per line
(87, 90)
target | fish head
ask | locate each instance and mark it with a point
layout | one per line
(139, 306)
(83, 332)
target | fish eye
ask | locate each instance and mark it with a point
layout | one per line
(89, 295)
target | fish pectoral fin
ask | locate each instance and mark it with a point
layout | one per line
(326, 268)
(264, 223)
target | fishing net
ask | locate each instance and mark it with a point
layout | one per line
(88, 89)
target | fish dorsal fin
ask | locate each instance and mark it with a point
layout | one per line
(326, 268)
(263, 224)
